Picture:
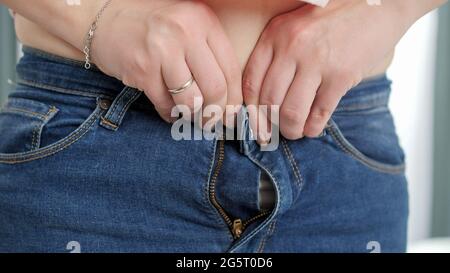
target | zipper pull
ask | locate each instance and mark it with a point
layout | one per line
(238, 228)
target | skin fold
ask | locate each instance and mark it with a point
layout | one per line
(300, 57)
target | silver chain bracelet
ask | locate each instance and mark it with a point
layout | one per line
(90, 36)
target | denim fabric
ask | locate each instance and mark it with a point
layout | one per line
(87, 162)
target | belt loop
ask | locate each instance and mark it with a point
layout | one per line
(113, 118)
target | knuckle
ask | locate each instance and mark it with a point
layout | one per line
(178, 30)
(216, 88)
(169, 27)
(200, 10)
(291, 116)
(153, 43)
(275, 23)
(342, 72)
(320, 114)
(141, 63)
(348, 77)
(306, 32)
(268, 99)
(200, 6)
(249, 88)
(206, 11)
(300, 35)
(305, 39)
(128, 80)
(322, 52)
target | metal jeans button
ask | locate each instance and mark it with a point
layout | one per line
(105, 104)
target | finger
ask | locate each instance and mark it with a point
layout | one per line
(155, 89)
(297, 103)
(279, 78)
(325, 102)
(276, 83)
(176, 73)
(209, 77)
(253, 79)
(224, 53)
(151, 82)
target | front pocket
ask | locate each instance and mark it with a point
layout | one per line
(377, 149)
(22, 123)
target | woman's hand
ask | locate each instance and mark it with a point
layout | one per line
(156, 45)
(307, 59)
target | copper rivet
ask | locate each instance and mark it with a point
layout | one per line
(105, 104)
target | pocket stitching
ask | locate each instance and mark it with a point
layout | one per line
(351, 150)
(36, 133)
(293, 164)
(56, 147)
(36, 139)
(23, 111)
(268, 234)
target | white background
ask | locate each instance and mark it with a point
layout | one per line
(412, 105)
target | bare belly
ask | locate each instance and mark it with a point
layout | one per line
(243, 21)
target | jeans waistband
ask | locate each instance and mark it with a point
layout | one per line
(48, 71)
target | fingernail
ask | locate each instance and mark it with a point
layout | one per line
(264, 138)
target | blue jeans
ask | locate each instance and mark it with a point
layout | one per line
(86, 164)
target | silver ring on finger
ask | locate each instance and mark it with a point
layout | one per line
(182, 88)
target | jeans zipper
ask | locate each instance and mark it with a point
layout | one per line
(237, 226)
